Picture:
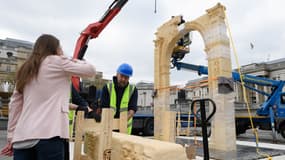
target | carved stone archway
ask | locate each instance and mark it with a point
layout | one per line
(212, 28)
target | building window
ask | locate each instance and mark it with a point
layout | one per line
(276, 78)
(8, 69)
(253, 99)
(9, 54)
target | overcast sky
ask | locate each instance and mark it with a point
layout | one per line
(129, 37)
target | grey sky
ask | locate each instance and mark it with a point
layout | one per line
(129, 37)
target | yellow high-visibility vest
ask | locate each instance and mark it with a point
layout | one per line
(124, 101)
(71, 115)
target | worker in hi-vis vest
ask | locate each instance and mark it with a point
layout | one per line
(120, 95)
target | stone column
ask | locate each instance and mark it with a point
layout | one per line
(223, 138)
(164, 45)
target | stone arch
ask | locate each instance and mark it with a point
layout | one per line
(212, 28)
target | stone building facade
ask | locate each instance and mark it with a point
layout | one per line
(97, 81)
(13, 54)
(146, 93)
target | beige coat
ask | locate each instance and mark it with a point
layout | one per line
(41, 112)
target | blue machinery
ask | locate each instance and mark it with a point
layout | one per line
(271, 114)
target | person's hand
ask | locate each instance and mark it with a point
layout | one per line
(131, 113)
(7, 150)
(89, 109)
(73, 106)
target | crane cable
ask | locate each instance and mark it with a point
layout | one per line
(254, 130)
(155, 5)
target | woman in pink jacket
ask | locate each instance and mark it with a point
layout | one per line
(38, 109)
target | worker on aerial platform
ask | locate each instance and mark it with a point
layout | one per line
(182, 45)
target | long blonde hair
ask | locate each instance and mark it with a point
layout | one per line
(45, 45)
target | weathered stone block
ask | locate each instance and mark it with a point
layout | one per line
(127, 147)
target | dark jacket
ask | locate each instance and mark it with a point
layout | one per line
(77, 99)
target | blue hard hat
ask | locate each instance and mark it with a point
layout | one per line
(125, 69)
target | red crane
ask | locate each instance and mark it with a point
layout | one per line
(92, 31)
